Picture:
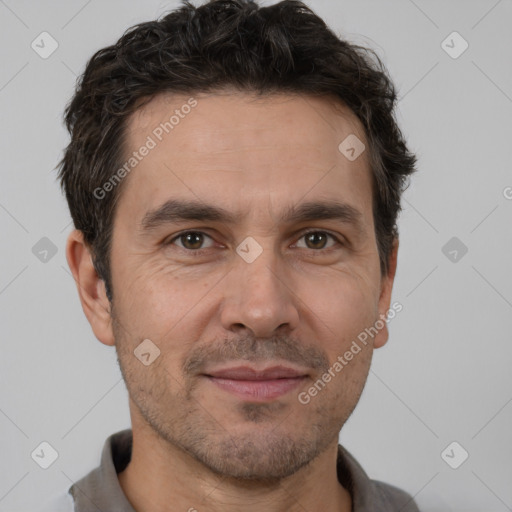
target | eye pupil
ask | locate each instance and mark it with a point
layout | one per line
(313, 237)
(189, 237)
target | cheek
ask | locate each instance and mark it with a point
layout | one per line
(345, 303)
(146, 287)
(163, 305)
(356, 311)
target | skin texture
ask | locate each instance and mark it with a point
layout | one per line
(301, 301)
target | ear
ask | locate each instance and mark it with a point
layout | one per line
(91, 288)
(385, 296)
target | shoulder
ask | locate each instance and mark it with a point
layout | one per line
(394, 497)
(61, 502)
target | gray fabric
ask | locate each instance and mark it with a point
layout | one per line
(370, 495)
(100, 491)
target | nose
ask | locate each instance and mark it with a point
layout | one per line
(260, 296)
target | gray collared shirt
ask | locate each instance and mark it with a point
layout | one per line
(100, 491)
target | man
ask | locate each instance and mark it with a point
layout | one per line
(234, 177)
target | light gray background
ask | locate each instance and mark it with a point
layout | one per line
(445, 373)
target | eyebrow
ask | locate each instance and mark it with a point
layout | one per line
(179, 210)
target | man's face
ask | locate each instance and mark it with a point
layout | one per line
(283, 298)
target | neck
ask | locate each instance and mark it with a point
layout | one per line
(161, 477)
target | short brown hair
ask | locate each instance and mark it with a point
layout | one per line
(284, 47)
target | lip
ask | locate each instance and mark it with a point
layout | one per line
(254, 385)
(257, 390)
(251, 373)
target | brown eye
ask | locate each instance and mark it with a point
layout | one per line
(190, 240)
(318, 239)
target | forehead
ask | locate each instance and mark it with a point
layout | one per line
(235, 120)
(242, 150)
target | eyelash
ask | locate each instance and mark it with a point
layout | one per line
(199, 252)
